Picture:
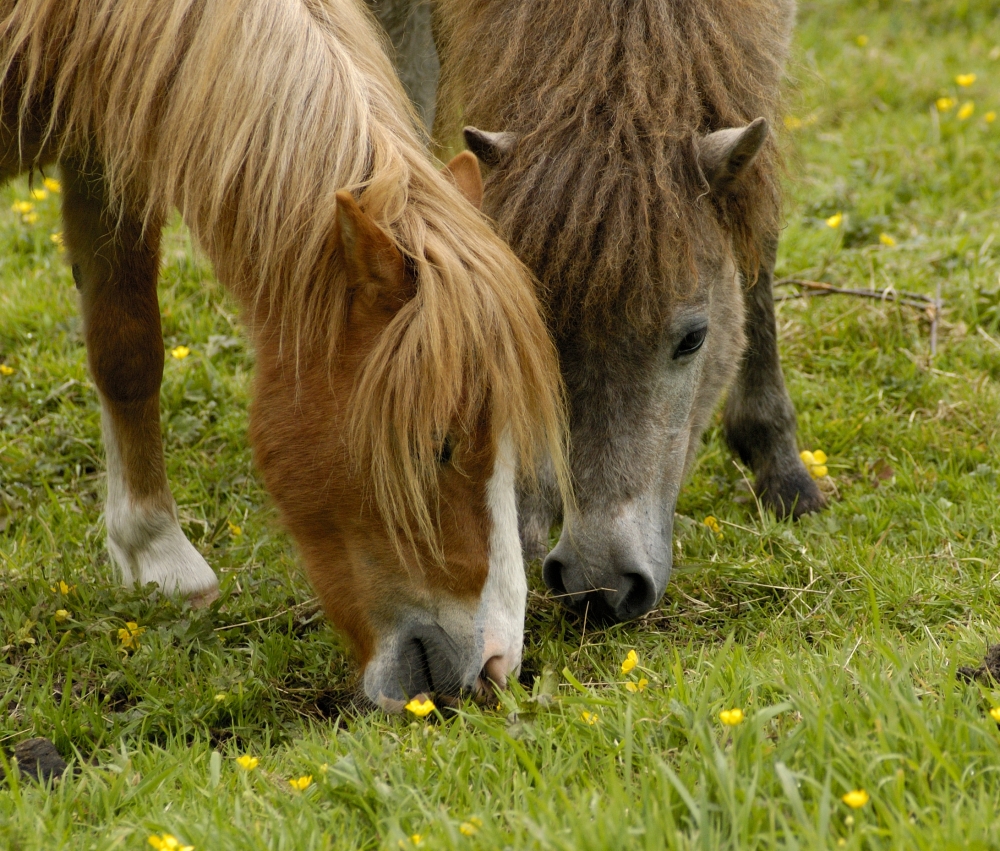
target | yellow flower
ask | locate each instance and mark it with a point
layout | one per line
(22, 207)
(990, 117)
(29, 218)
(590, 717)
(52, 184)
(861, 40)
(39, 194)
(180, 352)
(302, 783)
(713, 524)
(731, 717)
(887, 240)
(235, 530)
(637, 687)
(168, 842)
(420, 708)
(792, 123)
(247, 762)
(966, 111)
(944, 104)
(62, 615)
(470, 827)
(7, 370)
(415, 839)
(965, 80)
(129, 635)
(815, 462)
(855, 799)
(630, 661)
(57, 238)
(62, 588)
(995, 714)
(835, 220)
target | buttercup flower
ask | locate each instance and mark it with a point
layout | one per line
(302, 783)
(61, 587)
(966, 111)
(590, 717)
(6, 370)
(815, 463)
(57, 238)
(713, 524)
(62, 615)
(887, 240)
(39, 194)
(129, 635)
(235, 530)
(180, 352)
(22, 207)
(855, 799)
(835, 220)
(944, 104)
(630, 661)
(470, 827)
(965, 80)
(415, 839)
(861, 40)
(420, 708)
(995, 714)
(52, 184)
(168, 842)
(990, 117)
(247, 762)
(637, 687)
(731, 717)
(29, 218)
(792, 123)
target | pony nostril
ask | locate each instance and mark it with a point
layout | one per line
(637, 595)
(552, 573)
(417, 677)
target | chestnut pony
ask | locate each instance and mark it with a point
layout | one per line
(403, 370)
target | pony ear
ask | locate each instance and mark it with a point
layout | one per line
(376, 270)
(464, 170)
(491, 148)
(725, 155)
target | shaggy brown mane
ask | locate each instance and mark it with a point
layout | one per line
(607, 97)
(249, 117)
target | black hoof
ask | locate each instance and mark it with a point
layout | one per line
(791, 494)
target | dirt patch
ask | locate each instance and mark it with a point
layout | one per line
(37, 759)
(988, 672)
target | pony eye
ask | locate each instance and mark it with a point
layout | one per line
(691, 343)
(444, 453)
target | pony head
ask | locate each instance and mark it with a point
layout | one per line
(395, 463)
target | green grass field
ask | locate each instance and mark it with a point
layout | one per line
(838, 637)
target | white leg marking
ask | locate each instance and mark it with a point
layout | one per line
(500, 617)
(146, 541)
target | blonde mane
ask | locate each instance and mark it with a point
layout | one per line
(249, 117)
(607, 97)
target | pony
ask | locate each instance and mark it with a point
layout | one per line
(632, 168)
(404, 372)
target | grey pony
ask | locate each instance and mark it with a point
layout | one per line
(637, 411)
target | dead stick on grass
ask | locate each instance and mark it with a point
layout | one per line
(821, 288)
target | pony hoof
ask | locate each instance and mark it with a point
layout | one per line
(793, 495)
(203, 599)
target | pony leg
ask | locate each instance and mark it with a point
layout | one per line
(408, 25)
(759, 418)
(115, 267)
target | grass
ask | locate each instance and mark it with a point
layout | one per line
(838, 636)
